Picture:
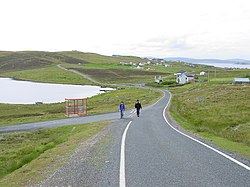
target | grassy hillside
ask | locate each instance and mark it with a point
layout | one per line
(120, 75)
(218, 110)
(50, 74)
(41, 66)
(100, 59)
(222, 110)
(14, 61)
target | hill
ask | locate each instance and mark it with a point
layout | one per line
(13, 61)
(22, 60)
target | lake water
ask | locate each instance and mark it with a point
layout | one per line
(26, 92)
(226, 65)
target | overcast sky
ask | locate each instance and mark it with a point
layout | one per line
(159, 28)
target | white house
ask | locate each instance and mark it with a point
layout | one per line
(203, 73)
(182, 77)
(142, 64)
(139, 67)
(190, 77)
(158, 80)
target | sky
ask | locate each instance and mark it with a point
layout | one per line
(157, 28)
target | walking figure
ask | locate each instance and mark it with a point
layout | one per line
(122, 109)
(138, 107)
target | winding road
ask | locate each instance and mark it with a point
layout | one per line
(143, 151)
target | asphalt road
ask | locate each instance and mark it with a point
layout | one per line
(58, 123)
(153, 154)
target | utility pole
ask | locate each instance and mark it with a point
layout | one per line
(208, 76)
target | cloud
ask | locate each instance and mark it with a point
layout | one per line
(160, 45)
(157, 28)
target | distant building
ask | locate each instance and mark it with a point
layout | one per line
(241, 81)
(182, 77)
(139, 67)
(203, 73)
(142, 63)
(158, 80)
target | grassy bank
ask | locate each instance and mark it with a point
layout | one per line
(221, 111)
(29, 154)
(109, 102)
(51, 74)
(11, 114)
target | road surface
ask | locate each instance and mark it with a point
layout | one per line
(147, 151)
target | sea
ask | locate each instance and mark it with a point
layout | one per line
(225, 65)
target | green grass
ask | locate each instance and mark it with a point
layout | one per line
(51, 74)
(232, 146)
(221, 110)
(42, 147)
(109, 102)
(111, 76)
(11, 114)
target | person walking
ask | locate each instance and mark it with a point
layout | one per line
(138, 107)
(122, 109)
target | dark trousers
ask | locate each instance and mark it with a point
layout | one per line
(122, 113)
(138, 112)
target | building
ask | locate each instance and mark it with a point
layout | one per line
(158, 80)
(180, 72)
(182, 77)
(203, 73)
(241, 81)
(140, 67)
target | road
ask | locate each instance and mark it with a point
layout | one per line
(147, 151)
(58, 123)
(78, 73)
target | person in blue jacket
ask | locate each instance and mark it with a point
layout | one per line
(122, 109)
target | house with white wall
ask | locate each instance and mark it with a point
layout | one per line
(158, 80)
(182, 77)
(203, 73)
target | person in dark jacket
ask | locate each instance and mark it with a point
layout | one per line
(138, 107)
(122, 109)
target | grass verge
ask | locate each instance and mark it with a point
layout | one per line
(28, 157)
(217, 112)
(110, 101)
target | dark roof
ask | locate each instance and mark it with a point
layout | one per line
(190, 75)
(182, 71)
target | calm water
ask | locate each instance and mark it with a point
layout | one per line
(226, 65)
(26, 92)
